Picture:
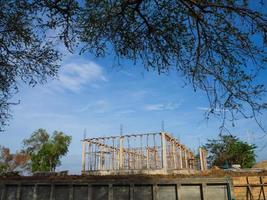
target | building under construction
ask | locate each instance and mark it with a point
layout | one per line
(149, 153)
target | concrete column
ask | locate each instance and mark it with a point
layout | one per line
(204, 191)
(52, 192)
(164, 152)
(200, 159)
(71, 192)
(181, 158)
(89, 192)
(131, 191)
(34, 192)
(174, 155)
(110, 192)
(178, 191)
(147, 158)
(121, 153)
(113, 155)
(83, 156)
(101, 160)
(89, 157)
(186, 159)
(155, 192)
(18, 191)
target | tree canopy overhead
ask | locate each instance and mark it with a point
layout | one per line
(218, 47)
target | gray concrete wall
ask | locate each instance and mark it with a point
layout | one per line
(117, 189)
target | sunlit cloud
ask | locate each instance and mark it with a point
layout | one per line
(74, 76)
(208, 109)
(162, 106)
(99, 105)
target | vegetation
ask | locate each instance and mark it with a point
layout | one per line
(218, 47)
(41, 152)
(46, 151)
(228, 150)
(12, 162)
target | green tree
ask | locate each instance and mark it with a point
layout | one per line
(46, 155)
(218, 47)
(36, 141)
(228, 150)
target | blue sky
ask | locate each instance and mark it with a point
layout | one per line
(98, 95)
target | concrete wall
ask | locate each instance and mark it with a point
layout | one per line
(117, 189)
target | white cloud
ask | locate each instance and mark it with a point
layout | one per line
(207, 109)
(125, 112)
(161, 106)
(74, 75)
(98, 106)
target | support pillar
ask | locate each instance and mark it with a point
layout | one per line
(147, 158)
(121, 153)
(181, 158)
(202, 159)
(164, 152)
(174, 155)
(83, 155)
(186, 159)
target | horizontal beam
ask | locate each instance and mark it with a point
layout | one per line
(129, 135)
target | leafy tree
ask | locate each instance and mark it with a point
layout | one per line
(228, 150)
(35, 142)
(218, 47)
(46, 151)
(12, 162)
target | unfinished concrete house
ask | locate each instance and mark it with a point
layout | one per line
(148, 153)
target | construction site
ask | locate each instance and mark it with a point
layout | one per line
(149, 153)
(148, 166)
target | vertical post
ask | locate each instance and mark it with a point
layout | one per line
(34, 192)
(204, 191)
(200, 159)
(110, 192)
(71, 190)
(164, 152)
(181, 158)
(155, 151)
(147, 153)
(178, 191)
(173, 154)
(121, 152)
(18, 191)
(113, 155)
(147, 158)
(155, 192)
(100, 158)
(89, 192)
(190, 159)
(90, 157)
(186, 159)
(131, 191)
(83, 155)
(52, 190)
